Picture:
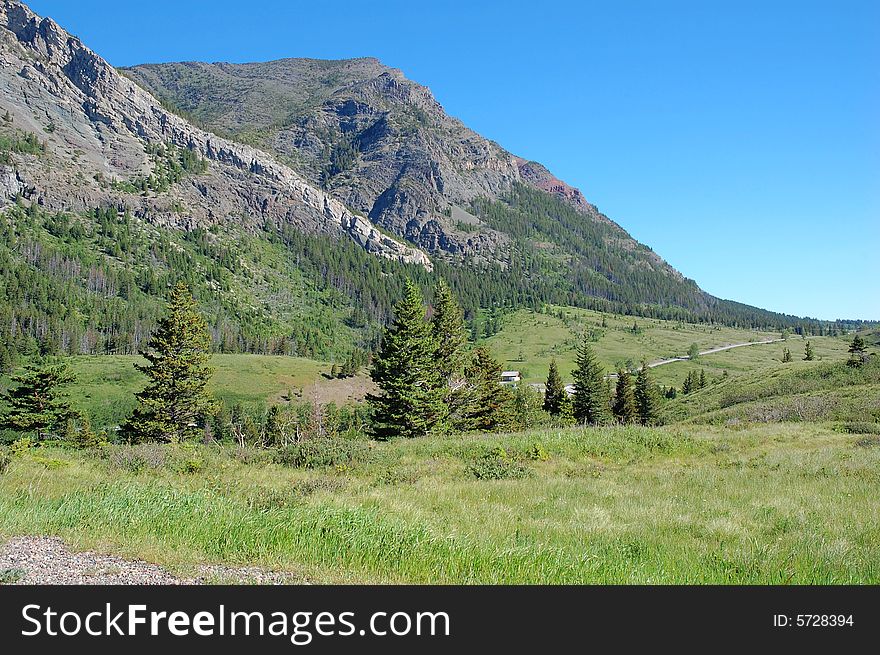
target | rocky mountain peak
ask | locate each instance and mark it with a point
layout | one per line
(102, 121)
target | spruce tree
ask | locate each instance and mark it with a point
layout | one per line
(175, 403)
(647, 401)
(35, 404)
(450, 336)
(688, 385)
(858, 352)
(702, 381)
(411, 400)
(590, 403)
(554, 392)
(491, 400)
(624, 407)
(808, 352)
(786, 355)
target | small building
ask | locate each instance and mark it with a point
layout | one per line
(510, 377)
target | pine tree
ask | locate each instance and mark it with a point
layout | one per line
(647, 402)
(786, 355)
(590, 402)
(689, 384)
(808, 352)
(624, 407)
(411, 400)
(491, 400)
(175, 403)
(702, 382)
(858, 352)
(554, 392)
(450, 335)
(35, 404)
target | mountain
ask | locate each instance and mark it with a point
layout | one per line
(293, 196)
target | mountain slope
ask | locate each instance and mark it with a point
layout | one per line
(109, 193)
(95, 125)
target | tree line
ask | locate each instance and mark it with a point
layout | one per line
(430, 380)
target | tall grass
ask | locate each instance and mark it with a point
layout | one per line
(708, 505)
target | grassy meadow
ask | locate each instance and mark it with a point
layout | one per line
(791, 503)
(105, 384)
(528, 340)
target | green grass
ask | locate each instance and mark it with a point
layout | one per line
(106, 384)
(702, 504)
(528, 340)
(797, 391)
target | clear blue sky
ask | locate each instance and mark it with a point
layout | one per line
(740, 140)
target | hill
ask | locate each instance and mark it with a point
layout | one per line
(824, 391)
(527, 341)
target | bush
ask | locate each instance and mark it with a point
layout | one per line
(859, 427)
(135, 459)
(323, 451)
(497, 464)
(538, 453)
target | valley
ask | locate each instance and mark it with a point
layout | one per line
(257, 314)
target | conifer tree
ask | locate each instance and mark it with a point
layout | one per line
(786, 355)
(35, 404)
(688, 385)
(590, 402)
(411, 400)
(624, 407)
(808, 352)
(647, 401)
(491, 400)
(450, 336)
(175, 403)
(554, 391)
(702, 381)
(858, 352)
(566, 409)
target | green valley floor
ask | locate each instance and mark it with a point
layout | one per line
(782, 503)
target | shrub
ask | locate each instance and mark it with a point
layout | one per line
(392, 476)
(135, 459)
(51, 463)
(497, 464)
(21, 446)
(538, 453)
(5, 459)
(859, 427)
(323, 451)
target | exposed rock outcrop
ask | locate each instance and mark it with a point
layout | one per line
(95, 123)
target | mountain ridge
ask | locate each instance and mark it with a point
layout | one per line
(318, 164)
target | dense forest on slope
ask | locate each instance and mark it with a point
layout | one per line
(94, 283)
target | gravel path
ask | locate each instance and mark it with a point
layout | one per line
(48, 560)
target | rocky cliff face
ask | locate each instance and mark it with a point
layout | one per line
(95, 123)
(376, 140)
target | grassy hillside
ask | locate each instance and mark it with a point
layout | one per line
(799, 391)
(106, 384)
(528, 340)
(772, 504)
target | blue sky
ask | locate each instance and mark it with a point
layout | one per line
(740, 140)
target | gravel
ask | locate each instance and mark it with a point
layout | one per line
(48, 560)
